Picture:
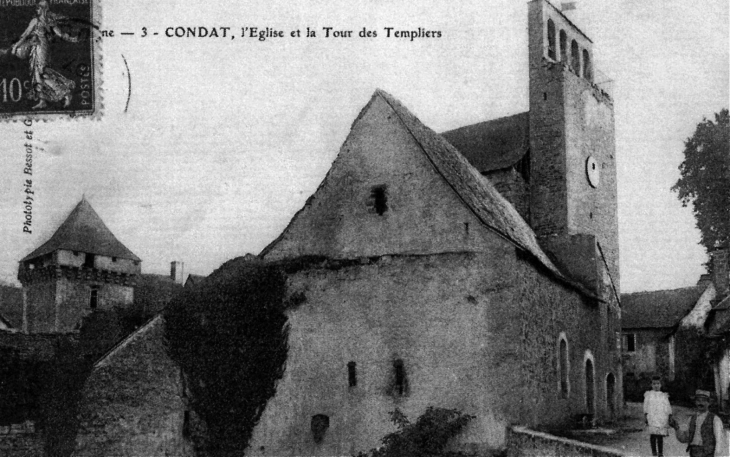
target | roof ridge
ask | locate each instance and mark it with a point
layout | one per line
(84, 230)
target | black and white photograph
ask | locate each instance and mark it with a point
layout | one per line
(368, 229)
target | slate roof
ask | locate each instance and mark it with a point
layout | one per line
(658, 309)
(84, 231)
(476, 191)
(155, 292)
(495, 144)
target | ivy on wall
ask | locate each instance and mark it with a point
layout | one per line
(427, 437)
(229, 336)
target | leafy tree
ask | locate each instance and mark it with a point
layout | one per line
(705, 180)
(427, 437)
(229, 335)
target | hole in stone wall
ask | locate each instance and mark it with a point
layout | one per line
(544, 96)
(352, 374)
(320, 424)
(379, 199)
(94, 299)
(400, 386)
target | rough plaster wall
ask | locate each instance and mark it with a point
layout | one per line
(590, 132)
(68, 258)
(74, 296)
(132, 403)
(476, 332)
(424, 214)
(41, 306)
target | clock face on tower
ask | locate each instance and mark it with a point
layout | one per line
(592, 171)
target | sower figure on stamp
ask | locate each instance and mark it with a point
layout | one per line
(705, 435)
(34, 45)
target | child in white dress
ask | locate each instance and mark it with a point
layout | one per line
(657, 413)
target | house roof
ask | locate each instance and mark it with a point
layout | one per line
(476, 191)
(658, 309)
(155, 291)
(194, 279)
(495, 144)
(84, 231)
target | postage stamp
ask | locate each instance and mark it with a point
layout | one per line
(48, 62)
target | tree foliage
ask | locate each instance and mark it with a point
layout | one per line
(229, 335)
(705, 180)
(427, 437)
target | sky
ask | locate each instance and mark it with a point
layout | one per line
(220, 141)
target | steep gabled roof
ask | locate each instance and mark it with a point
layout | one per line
(495, 144)
(658, 309)
(475, 190)
(84, 231)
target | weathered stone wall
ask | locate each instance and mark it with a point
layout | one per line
(424, 214)
(59, 303)
(132, 402)
(74, 296)
(513, 187)
(570, 120)
(21, 440)
(475, 332)
(523, 442)
(40, 306)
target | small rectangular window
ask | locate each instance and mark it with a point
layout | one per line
(94, 299)
(379, 199)
(352, 374)
(400, 386)
(629, 342)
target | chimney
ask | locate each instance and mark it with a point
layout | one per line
(720, 272)
(176, 271)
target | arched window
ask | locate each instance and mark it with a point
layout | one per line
(587, 71)
(563, 366)
(551, 38)
(611, 394)
(575, 57)
(563, 46)
(590, 384)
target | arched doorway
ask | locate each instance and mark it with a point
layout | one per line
(611, 394)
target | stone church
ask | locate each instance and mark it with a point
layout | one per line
(481, 275)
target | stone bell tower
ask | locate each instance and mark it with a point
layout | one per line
(573, 203)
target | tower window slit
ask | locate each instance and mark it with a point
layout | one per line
(352, 374)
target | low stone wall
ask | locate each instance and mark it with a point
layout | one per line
(523, 442)
(20, 440)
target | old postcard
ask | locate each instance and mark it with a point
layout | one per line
(374, 212)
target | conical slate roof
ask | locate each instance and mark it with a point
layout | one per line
(84, 231)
